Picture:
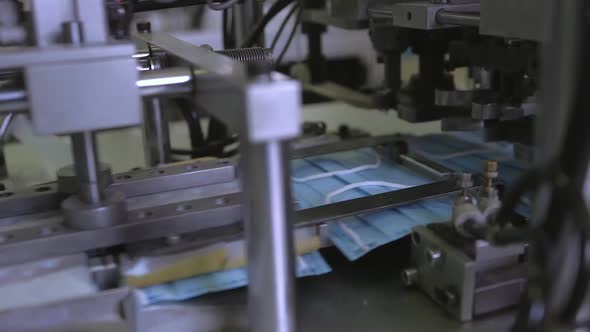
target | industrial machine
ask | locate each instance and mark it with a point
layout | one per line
(77, 67)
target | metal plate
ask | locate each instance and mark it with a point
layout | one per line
(522, 19)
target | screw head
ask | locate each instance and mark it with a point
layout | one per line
(410, 277)
(172, 240)
(450, 297)
(433, 256)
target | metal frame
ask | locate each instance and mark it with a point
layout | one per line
(470, 282)
(211, 219)
(217, 217)
(246, 101)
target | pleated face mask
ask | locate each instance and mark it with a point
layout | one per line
(461, 152)
(348, 175)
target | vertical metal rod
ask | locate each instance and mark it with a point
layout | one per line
(156, 133)
(87, 166)
(269, 237)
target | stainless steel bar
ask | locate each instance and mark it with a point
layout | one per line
(344, 145)
(169, 81)
(232, 72)
(173, 81)
(269, 238)
(214, 218)
(458, 18)
(145, 224)
(12, 95)
(86, 165)
(36, 199)
(425, 166)
(388, 200)
(156, 133)
(45, 197)
(174, 177)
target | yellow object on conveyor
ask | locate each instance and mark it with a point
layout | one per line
(149, 270)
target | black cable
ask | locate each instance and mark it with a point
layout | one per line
(193, 123)
(227, 27)
(290, 40)
(150, 5)
(284, 25)
(260, 26)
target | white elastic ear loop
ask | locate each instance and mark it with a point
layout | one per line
(351, 186)
(354, 236)
(361, 168)
(447, 156)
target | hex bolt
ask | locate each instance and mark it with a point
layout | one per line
(410, 277)
(451, 297)
(172, 240)
(433, 256)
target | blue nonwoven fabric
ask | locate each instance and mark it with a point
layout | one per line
(311, 264)
(356, 236)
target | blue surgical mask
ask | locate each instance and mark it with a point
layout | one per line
(468, 156)
(356, 236)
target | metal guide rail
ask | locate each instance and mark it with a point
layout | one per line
(33, 224)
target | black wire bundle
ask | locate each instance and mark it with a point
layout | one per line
(558, 290)
(296, 9)
(276, 8)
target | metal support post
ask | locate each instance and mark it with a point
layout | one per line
(93, 206)
(156, 133)
(268, 223)
(87, 167)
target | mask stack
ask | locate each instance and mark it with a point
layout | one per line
(356, 236)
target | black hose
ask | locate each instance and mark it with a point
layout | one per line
(149, 5)
(276, 8)
(283, 26)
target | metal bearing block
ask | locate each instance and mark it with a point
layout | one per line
(466, 277)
